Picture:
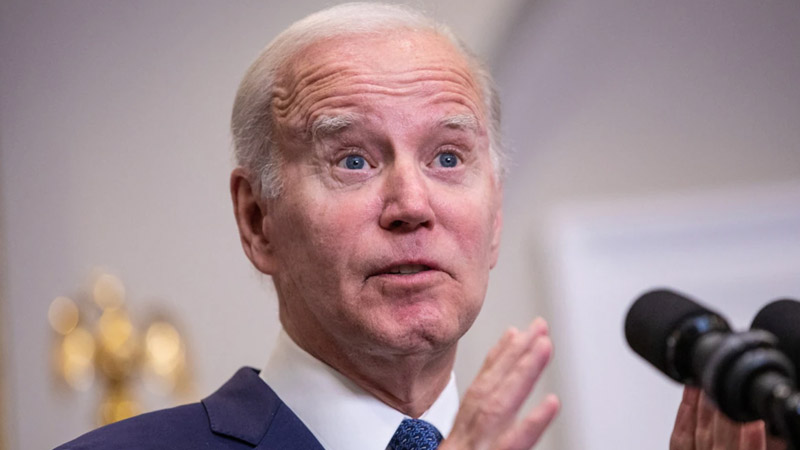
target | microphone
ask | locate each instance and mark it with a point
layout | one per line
(695, 345)
(782, 319)
(664, 328)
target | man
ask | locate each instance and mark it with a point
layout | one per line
(368, 186)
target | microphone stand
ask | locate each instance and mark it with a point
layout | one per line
(791, 421)
(778, 402)
(749, 378)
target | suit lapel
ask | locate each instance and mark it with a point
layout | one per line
(246, 409)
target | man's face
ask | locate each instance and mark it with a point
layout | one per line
(389, 219)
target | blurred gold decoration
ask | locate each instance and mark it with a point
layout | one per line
(112, 350)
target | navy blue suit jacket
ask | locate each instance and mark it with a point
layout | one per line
(243, 414)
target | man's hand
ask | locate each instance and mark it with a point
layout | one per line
(487, 418)
(700, 426)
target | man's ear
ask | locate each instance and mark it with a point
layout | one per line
(253, 220)
(497, 228)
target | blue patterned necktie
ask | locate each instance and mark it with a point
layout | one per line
(415, 434)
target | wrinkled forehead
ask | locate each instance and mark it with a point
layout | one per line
(342, 70)
(377, 49)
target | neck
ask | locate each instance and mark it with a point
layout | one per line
(408, 382)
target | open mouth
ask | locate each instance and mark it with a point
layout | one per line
(407, 269)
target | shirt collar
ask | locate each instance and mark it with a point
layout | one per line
(341, 415)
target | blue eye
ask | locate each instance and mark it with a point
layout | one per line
(448, 160)
(353, 162)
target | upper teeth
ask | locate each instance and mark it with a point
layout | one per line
(407, 269)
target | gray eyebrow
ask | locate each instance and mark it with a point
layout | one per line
(328, 125)
(460, 121)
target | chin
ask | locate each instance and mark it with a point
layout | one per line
(419, 334)
(415, 324)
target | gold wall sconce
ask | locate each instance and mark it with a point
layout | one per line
(97, 343)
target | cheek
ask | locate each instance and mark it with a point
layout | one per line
(311, 258)
(471, 226)
(325, 234)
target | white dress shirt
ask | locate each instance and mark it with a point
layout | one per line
(341, 415)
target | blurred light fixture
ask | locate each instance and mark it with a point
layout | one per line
(97, 341)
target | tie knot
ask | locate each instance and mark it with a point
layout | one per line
(415, 434)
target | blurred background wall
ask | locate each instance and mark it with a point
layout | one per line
(655, 144)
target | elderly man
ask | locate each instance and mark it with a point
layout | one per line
(369, 187)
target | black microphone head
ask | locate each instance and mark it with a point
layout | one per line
(782, 318)
(653, 319)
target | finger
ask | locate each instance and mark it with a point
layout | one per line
(704, 433)
(683, 433)
(726, 433)
(496, 361)
(498, 347)
(506, 379)
(539, 327)
(753, 436)
(529, 430)
(494, 397)
(524, 375)
(506, 350)
(506, 355)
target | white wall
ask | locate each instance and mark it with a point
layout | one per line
(615, 105)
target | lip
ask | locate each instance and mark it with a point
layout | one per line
(407, 288)
(389, 270)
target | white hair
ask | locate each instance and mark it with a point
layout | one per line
(252, 122)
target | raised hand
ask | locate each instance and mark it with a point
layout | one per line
(487, 418)
(701, 426)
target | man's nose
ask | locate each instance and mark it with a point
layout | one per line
(406, 200)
